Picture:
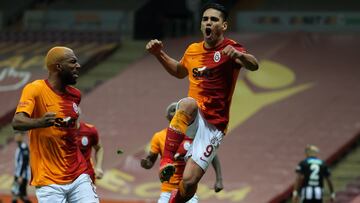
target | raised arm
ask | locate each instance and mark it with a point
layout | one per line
(244, 59)
(172, 66)
(23, 122)
(99, 156)
(217, 167)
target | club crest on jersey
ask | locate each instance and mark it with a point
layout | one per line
(76, 108)
(217, 56)
(84, 141)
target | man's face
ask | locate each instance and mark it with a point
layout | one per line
(213, 26)
(69, 68)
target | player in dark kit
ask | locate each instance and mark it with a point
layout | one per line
(22, 169)
(311, 173)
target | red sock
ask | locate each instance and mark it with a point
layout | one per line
(172, 143)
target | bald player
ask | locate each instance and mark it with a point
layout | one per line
(311, 172)
(49, 110)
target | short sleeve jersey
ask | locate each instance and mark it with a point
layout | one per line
(157, 147)
(54, 156)
(87, 137)
(212, 80)
(314, 171)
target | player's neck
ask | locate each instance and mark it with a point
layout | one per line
(213, 44)
(56, 83)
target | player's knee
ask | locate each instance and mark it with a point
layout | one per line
(188, 105)
(189, 186)
(189, 181)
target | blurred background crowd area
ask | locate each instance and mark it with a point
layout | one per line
(144, 19)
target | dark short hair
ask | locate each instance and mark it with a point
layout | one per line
(216, 6)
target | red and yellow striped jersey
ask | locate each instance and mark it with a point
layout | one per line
(212, 79)
(54, 156)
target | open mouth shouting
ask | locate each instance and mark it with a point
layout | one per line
(208, 32)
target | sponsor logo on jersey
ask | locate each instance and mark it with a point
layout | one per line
(203, 72)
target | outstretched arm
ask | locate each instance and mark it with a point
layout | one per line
(149, 161)
(246, 60)
(99, 156)
(172, 66)
(217, 167)
(23, 122)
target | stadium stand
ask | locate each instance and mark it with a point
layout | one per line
(304, 5)
(11, 13)
(351, 192)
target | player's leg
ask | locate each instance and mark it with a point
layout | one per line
(188, 186)
(82, 190)
(165, 197)
(15, 190)
(191, 177)
(202, 152)
(194, 199)
(185, 114)
(23, 192)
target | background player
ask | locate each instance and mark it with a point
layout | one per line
(311, 173)
(88, 138)
(157, 147)
(22, 168)
(49, 110)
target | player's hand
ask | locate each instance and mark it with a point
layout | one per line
(218, 186)
(99, 173)
(232, 52)
(154, 47)
(146, 163)
(48, 119)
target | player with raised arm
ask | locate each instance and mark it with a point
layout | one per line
(212, 67)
